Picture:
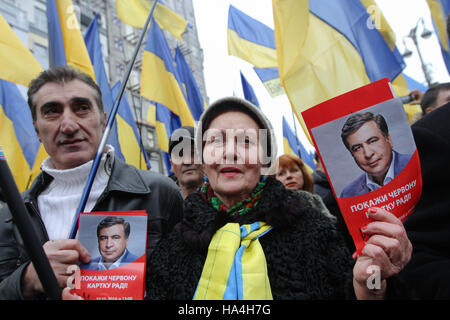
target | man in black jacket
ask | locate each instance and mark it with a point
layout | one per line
(68, 116)
(428, 227)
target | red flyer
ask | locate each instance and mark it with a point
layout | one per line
(365, 143)
(117, 244)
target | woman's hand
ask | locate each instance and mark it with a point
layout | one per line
(385, 254)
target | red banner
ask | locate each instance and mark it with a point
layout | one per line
(363, 138)
(117, 243)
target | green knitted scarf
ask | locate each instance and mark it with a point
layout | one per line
(239, 209)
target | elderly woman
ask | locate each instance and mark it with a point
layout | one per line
(245, 236)
(292, 173)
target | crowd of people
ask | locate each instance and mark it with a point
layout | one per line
(231, 210)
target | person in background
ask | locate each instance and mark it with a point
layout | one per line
(293, 174)
(189, 175)
(435, 97)
(278, 241)
(428, 226)
(67, 112)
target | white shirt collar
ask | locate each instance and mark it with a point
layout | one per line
(116, 263)
(80, 172)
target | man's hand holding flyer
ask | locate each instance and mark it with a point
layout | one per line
(365, 143)
(116, 242)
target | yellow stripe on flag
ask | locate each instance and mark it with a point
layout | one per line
(161, 86)
(130, 147)
(17, 64)
(135, 12)
(163, 139)
(11, 147)
(75, 48)
(440, 22)
(260, 56)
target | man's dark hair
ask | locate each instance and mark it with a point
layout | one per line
(430, 96)
(111, 221)
(356, 121)
(61, 74)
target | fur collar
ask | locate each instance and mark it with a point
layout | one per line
(278, 207)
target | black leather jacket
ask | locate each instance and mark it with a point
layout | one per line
(128, 189)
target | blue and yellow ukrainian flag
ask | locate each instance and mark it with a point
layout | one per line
(414, 84)
(293, 146)
(92, 41)
(193, 95)
(326, 48)
(135, 12)
(129, 137)
(270, 78)
(440, 10)
(166, 122)
(124, 136)
(160, 82)
(249, 93)
(17, 134)
(254, 42)
(66, 44)
(250, 40)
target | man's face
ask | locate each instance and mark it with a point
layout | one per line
(371, 150)
(188, 173)
(112, 242)
(68, 122)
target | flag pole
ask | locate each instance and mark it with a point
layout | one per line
(109, 124)
(30, 239)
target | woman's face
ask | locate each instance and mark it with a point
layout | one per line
(231, 156)
(291, 177)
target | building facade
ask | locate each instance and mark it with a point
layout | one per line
(29, 20)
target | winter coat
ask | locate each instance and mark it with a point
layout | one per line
(428, 226)
(306, 257)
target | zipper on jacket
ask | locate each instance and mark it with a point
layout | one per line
(32, 205)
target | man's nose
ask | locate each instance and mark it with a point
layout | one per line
(368, 152)
(69, 122)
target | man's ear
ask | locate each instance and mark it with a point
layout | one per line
(429, 109)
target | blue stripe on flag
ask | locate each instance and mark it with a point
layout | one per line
(250, 29)
(57, 54)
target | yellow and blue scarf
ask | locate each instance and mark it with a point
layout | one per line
(235, 267)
